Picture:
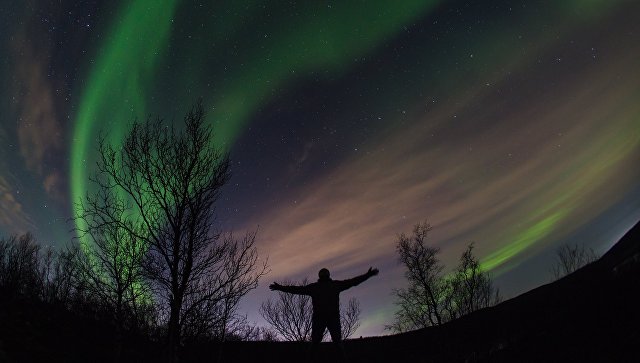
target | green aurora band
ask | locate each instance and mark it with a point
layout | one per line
(119, 84)
(548, 218)
(122, 76)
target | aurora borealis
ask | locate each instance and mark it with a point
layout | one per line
(515, 125)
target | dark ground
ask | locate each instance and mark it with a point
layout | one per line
(589, 316)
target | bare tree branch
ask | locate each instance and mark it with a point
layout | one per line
(432, 298)
(571, 257)
(171, 180)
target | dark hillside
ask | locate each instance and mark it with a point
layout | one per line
(590, 315)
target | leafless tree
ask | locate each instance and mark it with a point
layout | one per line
(290, 315)
(240, 329)
(111, 259)
(350, 318)
(42, 273)
(570, 257)
(20, 266)
(69, 286)
(210, 306)
(30, 270)
(431, 298)
(420, 303)
(172, 180)
(244, 331)
(470, 288)
(268, 334)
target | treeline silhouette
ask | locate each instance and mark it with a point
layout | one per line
(150, 260)
(48, 314)
(51, 311)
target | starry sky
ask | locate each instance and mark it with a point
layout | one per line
(514, 124)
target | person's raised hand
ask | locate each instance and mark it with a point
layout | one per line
(372, 271)
(275, 286)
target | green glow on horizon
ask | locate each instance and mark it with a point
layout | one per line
(523, 240)
(619, 144)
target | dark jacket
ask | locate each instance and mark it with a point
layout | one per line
(325, 294)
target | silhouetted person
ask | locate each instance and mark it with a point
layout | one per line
(325, 299)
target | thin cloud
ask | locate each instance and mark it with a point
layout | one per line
(13, 218)
(518, 175)
(38, 130)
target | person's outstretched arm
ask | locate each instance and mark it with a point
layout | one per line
(358, 279)
(298, 290)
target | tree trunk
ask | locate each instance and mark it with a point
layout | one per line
(117, 354)
(174, 332)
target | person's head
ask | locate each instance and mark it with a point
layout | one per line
(324, 274)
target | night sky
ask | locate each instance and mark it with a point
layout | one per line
(514, 124)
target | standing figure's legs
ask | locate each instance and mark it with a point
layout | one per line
(317, 331)
(336, 336)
